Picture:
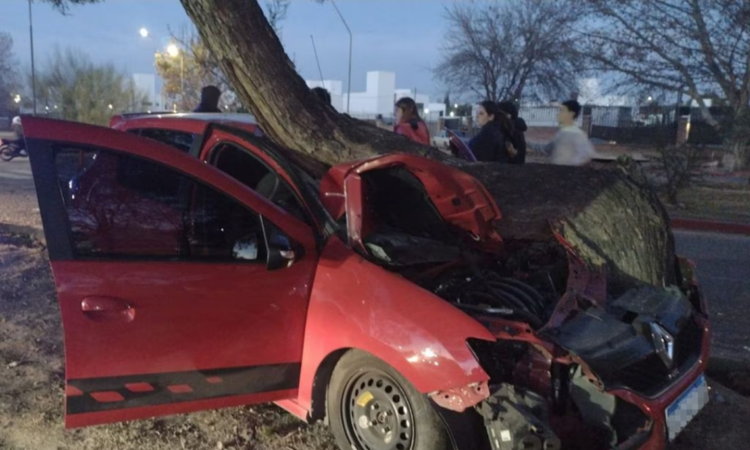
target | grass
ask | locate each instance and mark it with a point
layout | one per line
(711, 203)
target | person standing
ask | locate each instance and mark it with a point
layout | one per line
(209, 100)
(519, 128)
(570, 146)
(408, 122)
(495, 135)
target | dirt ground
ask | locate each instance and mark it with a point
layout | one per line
(32, 380)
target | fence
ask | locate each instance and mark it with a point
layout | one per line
(542, 116)
(644, 125)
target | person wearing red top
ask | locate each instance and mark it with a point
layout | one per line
(408, 122)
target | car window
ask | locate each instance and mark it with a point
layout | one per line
(123, 206)
(243, 166)
(180, 140)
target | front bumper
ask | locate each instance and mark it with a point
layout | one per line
(655, 438)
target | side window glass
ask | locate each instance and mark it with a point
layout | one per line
(122, 206)
(250, 171)
(178, 139)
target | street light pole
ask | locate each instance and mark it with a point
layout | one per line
(33, 72)
(349, 83)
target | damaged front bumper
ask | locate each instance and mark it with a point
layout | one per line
(645, 416)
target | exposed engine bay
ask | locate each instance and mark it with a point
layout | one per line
(562, 339)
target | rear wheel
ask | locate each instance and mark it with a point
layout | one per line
(373, 407)
(6, 153)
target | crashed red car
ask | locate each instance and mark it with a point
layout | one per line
(199, 266)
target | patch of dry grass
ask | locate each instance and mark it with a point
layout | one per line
(721, 204)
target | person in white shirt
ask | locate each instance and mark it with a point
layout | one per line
(570, 146)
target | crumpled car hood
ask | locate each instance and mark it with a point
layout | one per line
(461, 200)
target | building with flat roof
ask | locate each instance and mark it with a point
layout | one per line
(378, 98)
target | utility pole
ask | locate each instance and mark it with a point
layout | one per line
(349, 87)
(33, 72)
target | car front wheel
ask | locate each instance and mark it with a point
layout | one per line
(373, 407)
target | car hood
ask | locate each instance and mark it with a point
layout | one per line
(460, 199)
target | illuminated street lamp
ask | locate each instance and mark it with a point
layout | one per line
(174, 51)
(17, 98)
(144, 32)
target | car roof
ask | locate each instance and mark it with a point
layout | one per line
(240, 120)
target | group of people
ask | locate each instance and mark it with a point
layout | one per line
(501, 135)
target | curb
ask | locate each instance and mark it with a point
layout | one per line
(709, 225)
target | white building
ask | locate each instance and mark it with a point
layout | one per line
(379, 97)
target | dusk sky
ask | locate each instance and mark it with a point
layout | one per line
(401, 36)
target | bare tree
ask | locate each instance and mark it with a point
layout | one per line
(8, 73)
(73, 88)
(184, 76)
(511, 49)
(690, 46)
(276, 13)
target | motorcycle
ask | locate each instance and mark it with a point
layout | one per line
(10, 149)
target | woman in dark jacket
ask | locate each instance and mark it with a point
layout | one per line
(519, 128)
(491, 143)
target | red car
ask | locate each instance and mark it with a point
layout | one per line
(199, 266)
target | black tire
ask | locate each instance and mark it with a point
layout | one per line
(372, 407)
(6, 153)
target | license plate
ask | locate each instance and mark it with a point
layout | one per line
(686, 406)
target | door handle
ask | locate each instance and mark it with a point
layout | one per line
(100, 308)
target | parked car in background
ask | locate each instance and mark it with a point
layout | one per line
(441, 140)
(199, 266)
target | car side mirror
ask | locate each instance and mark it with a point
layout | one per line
(282, 252)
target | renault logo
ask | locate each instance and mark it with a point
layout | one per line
(664, 344)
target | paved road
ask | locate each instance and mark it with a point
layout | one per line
(723, 264)
(723, 260)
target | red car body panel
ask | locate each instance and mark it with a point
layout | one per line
(175, 317)
(330, 300)
(357, 304)
(176, 122)
(460, 198)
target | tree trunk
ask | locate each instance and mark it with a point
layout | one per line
(254, 61)
(608, 218)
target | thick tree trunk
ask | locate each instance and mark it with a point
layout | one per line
(254, 61)
(608, 218)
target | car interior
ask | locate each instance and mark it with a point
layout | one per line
(250, 171)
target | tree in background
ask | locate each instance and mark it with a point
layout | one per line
(193, 66)
(186, 71)
(512, 49)
(689, 46)
(9, 83)
(71, 87)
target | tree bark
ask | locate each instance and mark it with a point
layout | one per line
(608, 218)
(254, 61)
